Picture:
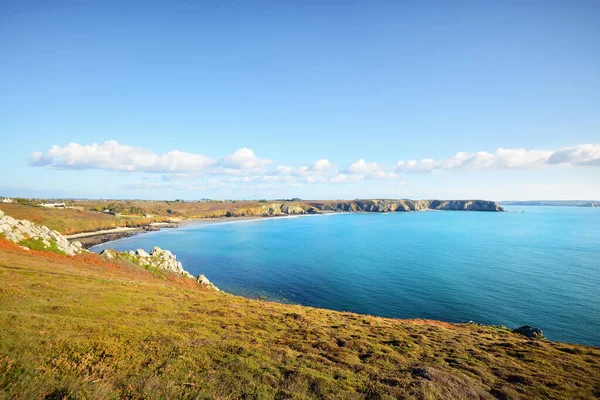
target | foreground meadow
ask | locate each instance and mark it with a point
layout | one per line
(84, 327)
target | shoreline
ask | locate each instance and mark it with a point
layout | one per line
(96, 238)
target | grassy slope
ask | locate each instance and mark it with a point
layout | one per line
(69, 221)
(86, 328)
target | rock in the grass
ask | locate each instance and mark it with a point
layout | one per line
(203, 280)
(1, 213)
(9, 220)
(77, 243)
(107, 254)
(4, 227)
(530, 332)
(142, 253)
(157, 258)
(421, 373)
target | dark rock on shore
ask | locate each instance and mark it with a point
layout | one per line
(530, 332)
(90, 241)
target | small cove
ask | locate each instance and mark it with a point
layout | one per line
(539, 267)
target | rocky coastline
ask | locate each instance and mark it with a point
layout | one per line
(31, 236)
(282, 209)
(91, 239)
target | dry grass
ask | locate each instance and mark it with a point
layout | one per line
(68, 221)
(84, 327)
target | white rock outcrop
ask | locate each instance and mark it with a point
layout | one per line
(157, 258)
(18, 230)
(203, 280)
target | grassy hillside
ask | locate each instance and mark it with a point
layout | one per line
(89, 215)
(83, 327)
(68, 221)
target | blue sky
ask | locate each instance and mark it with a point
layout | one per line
(284, 99)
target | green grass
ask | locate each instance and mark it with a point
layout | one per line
(38, 244)
(71, 328)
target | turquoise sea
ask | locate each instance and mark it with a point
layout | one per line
(533, 265)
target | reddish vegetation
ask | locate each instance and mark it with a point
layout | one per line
(95, 260)
(85, 258)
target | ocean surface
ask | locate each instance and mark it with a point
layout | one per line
(534, 265)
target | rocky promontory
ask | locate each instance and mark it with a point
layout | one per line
(372, 205)
(41, 237)
(383, 205)
(158, 259)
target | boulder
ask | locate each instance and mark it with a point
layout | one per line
(1, 213)
(107, 254)
(530, 332)
(9, 220)
(142, 253)
(421, 373)
(156, 251)
(4, 227)
(203, 280)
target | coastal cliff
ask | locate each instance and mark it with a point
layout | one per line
(410, 205)
(375, 205)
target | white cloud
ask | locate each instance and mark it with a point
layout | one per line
(319, 168)
(113, 156)
(414, 166)
(369, 170)
(480, 161)
(318, 172)
(583, 154)
(323, 165)
(243, 169)
(324, 171)
(117, 157)
(284, 169)
(244, 159)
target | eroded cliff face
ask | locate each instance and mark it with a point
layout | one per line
(410, 205)
(377, 205)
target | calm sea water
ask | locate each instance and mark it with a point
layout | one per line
(537, 265)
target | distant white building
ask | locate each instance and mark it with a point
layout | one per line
(7, 200)
(53, 205)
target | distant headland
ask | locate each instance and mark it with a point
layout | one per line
(96, 221)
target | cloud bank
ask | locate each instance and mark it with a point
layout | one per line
(243, 166)
(113, 156)
(580, 155)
